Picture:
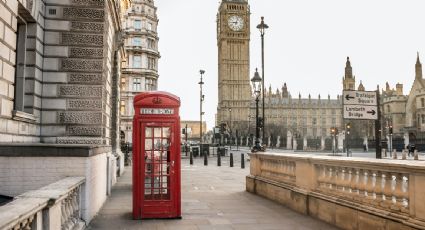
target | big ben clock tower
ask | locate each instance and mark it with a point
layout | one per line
(234, 89)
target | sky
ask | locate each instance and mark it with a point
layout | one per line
(306, 46)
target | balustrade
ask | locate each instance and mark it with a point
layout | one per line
(24, 212)
(374, 186)
(379, 188)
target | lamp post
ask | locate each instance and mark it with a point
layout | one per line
(230, 128)
(256, 84)
(262, 27)
(201, 100)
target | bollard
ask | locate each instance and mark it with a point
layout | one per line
(394, 152)
(403, 155)
(416, 155)
(191, 158)
(205, 159)
(395, 156)
(218, 159)
(231, 159)
(242, 161)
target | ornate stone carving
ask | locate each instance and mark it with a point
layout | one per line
(82, 39)
(79, 141)
(82, 65)
(84, 104)
(89, 2)
(87, 26)
(86, 52)
(83, 13)
(80, 117)
(84, 131)
(85, 78)
(80, 91)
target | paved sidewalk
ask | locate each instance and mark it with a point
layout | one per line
(213, 198)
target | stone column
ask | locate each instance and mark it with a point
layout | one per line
(322, 144)
(278, 142)
(289, 140)
(406, 140)
(305, 143)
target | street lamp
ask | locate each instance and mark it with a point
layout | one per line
(230, 128)
(201, 100)
(256, 85)
(262, 27)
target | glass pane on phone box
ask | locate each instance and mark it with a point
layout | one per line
(148, 144)
(148, 191)
(166, 132)
(164, 185)
(156, 182)
(148, 132)
(157, 132)
(157, 156)
(148, 169)
(157, 143)
(148, 156)
(164, 169)
(165, 144)
(156, 191)
(164, 155)
(165, 179)
(164, 191)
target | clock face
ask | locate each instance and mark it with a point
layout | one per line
(235, 23)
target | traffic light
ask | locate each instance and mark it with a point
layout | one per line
(333, 131)
(184, 131)
(348, 128)
(391, 129)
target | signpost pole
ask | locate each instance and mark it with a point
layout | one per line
(378, 128)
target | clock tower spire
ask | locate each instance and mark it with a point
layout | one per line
(234, 89)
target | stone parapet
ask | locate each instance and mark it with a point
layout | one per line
(351, 193)
(56, 206)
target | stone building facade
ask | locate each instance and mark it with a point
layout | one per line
(59, 90)
(140, 72)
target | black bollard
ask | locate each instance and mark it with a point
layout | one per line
(231, 159)
(218, 159)
(205, 159)
(191, 158)
(242, 161)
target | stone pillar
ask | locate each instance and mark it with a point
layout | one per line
(341, 138)
(305, 143)
(247, 140)
(322, 143)
(278, 142)
(289, 140)
(294, 144)
(365, 143)
(406, 140)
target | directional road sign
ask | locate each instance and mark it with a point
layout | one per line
(360, 105)
(360, 112)
(359, 98)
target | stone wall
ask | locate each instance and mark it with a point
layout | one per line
(350, 193)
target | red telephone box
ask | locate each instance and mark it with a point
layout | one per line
(156, 156)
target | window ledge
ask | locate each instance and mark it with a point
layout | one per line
(22, 116)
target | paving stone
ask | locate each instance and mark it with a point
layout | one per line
(212, 198)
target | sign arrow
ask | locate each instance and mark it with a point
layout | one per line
(373, 112)
(348, 97)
